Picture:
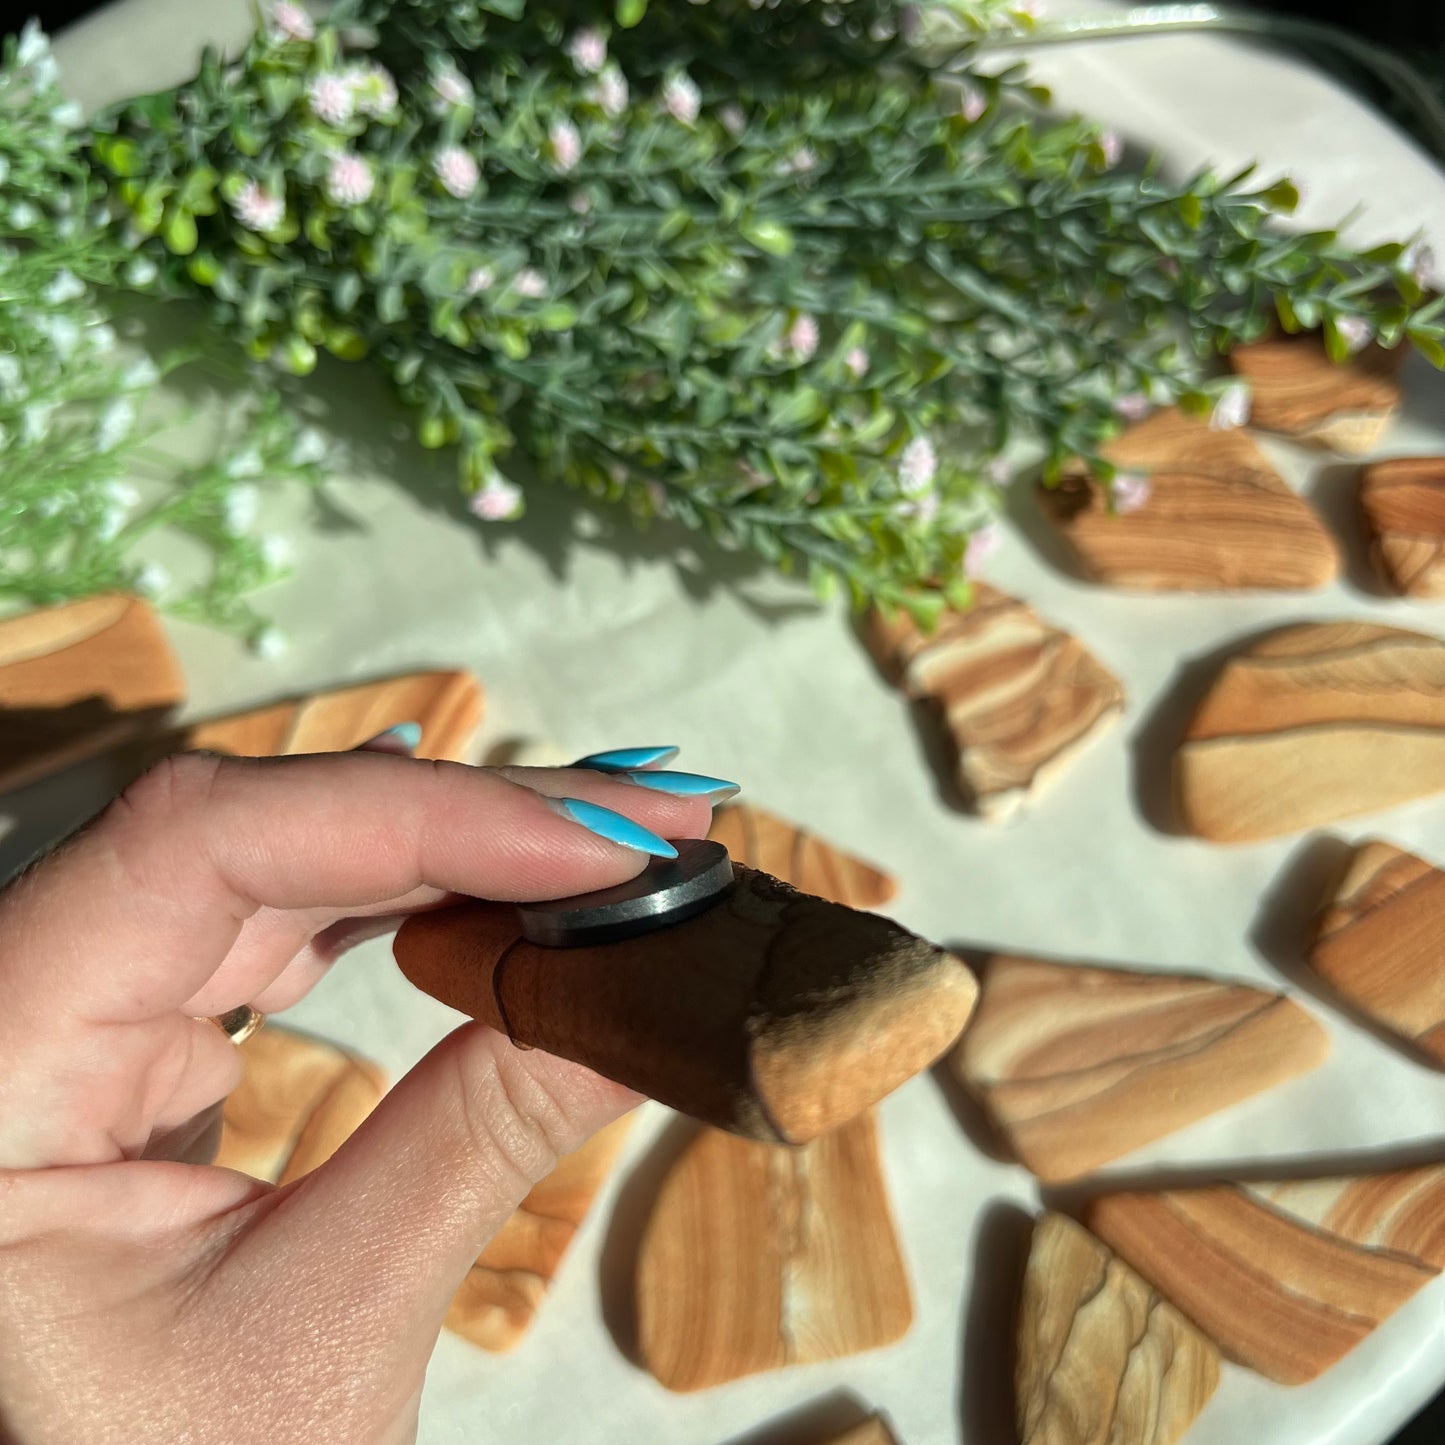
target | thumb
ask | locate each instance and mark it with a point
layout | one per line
(381, 1235)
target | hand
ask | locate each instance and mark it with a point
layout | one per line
(152, 1300)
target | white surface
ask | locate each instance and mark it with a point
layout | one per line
(602, 644)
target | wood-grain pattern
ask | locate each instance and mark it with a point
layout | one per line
(1402, 505)
(1101, 1359)
(1378, 944)
(79, 678)
(756, 1257)
(775, 1014)
(1218, 517)
(1296, 389)
(772, 845)
(1016, 697)
(1077, 1065)
(507, 1286)
(448, 705)
(1313, 723)
(1286, 1278)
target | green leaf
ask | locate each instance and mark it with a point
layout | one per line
(769, 236)
(178, 231)
(630, 12)
(557, 316)
(790, 411)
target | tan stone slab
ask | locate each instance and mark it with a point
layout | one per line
(79, 678)
(1402, 503)
(1078, 1065)
(1312, 723)
(1101, 1359)
(1017, 696)
(1378, 944)
(771, 844)
(1286, 1278)
(757, 1256)
(1296, 389)
(1217, 518)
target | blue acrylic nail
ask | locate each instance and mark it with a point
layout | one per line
(408, 734)
(625, 760)
(685, 785)
(615, 827)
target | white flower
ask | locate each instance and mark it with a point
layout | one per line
(244, 464)
(140, 374)
(309, 447)
(1032, 9)
(63, 333)
(275, 551)
(332, 98)
(922, 509)
(239, 508)
(152, 580)
(1231, 407)
(981, 546)
(802, 337)
(23, 216)
(101, 339)
(456, 170)
(34, 45)
(611, 92)
(4, 170)
(579, 203)
(451, 87)
(140, 270)
(588, 51)
(52, 505)
(498, 501)
(1418, 261)
(114, 424)
(999, 471)
(734, 122)
(1111, 147)
(35, 422)
(349, 181)
(681, 97)
(257, 209)
(857, 363)
(972, 101)
(529, 282)
(112, 519)
(120, 494)
(68, 114)
(1355, 331)
(479, 279)
(271, 644)
(1130, 491)
(565, 144)
(803, 160)
(10, 383)
(1132, 406)
(917, 466)
(291, 22)
(373, 90)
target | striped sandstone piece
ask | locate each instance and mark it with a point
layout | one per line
(1296, 389)
(1218, 517)
(1378, 944)
(756, 1257)
(448, 705)
(301, 1097)
(1313, 723)
(1286, 1278)
(508, 1284)
(1017, 696)
(1078, 1065)
(773, 845)
(298, 1099)
(79, 678)
(1101, 1359)
(1402, 504)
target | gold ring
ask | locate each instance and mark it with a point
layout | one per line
(238, 1024)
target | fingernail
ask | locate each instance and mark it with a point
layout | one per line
(625, 760)
(404, 737)
(615, 827)
(685, 785)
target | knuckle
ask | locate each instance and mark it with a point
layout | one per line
(513, 1127)
(174, 784)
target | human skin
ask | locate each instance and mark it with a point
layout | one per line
(150, 1299)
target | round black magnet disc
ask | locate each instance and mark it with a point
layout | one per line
(667, 891)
